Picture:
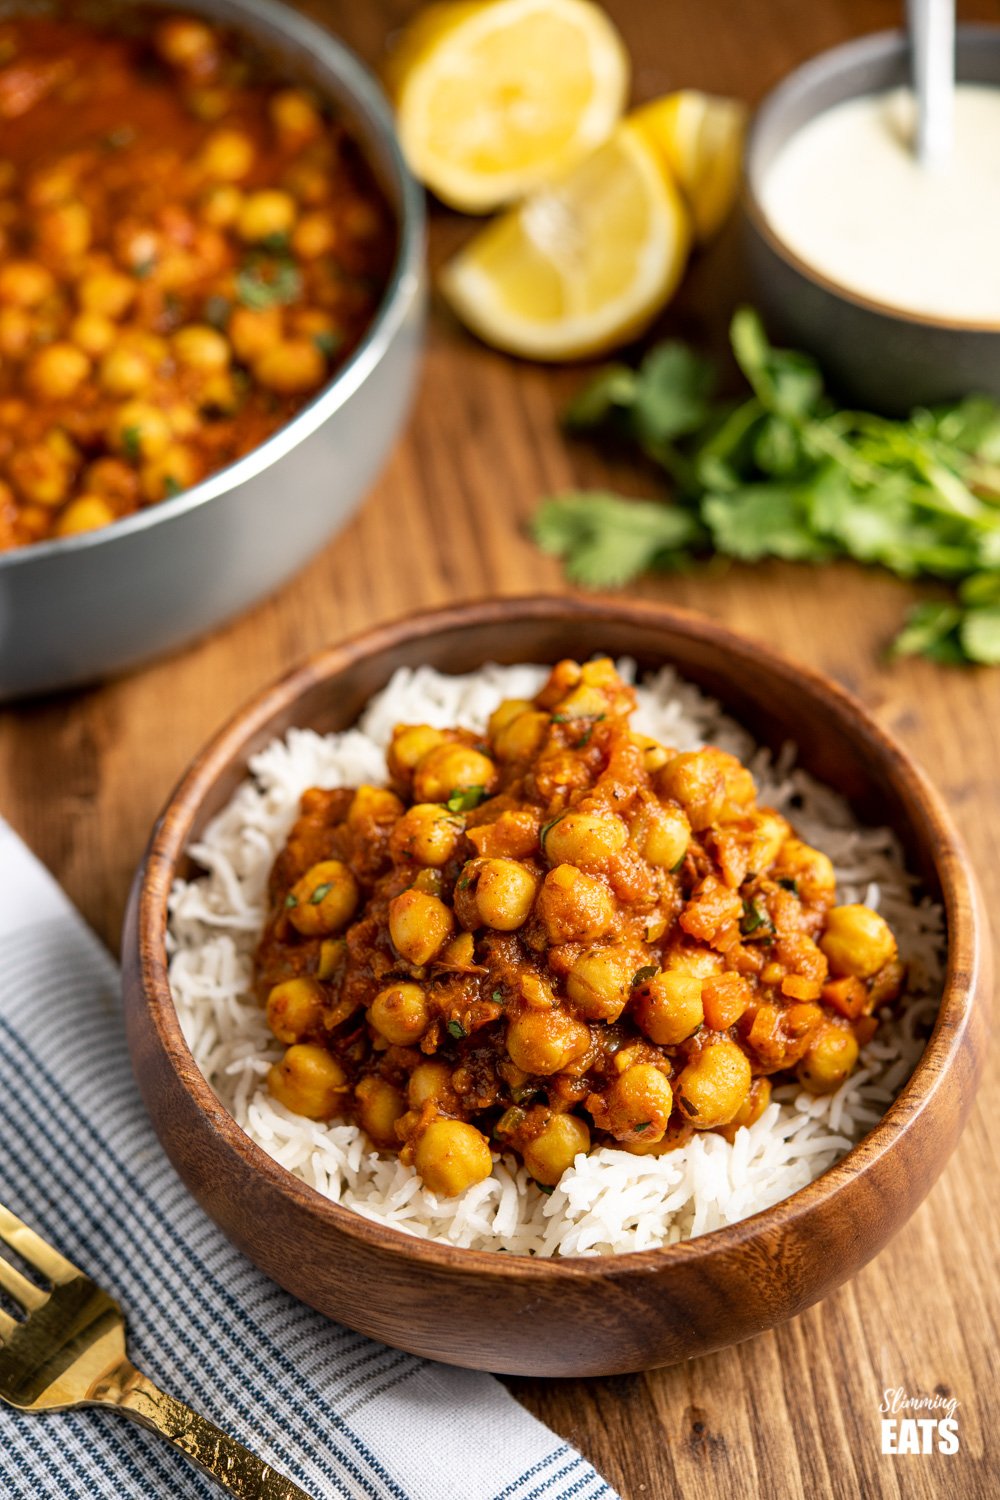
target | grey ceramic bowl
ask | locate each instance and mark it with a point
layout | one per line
(87, 606)
(877, 355)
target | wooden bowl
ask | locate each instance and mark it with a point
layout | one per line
(573, 1316)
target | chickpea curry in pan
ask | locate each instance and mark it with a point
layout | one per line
(560, 934)
(188, 251)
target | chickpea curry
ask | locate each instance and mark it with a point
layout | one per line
(189, 248)
(560, 934)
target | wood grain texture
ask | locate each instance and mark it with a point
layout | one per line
(604, 1315)
(793, 1413)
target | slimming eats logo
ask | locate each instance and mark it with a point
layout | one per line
(918, 1424)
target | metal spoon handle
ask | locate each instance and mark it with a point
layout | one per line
(932, 36)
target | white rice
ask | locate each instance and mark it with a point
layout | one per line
(609, 1201)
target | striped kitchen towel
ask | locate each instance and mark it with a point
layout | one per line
(341, 1415)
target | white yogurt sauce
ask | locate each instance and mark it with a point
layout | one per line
(847, 195)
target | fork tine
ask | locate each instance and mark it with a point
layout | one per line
(7, 1325)
(24, 1292)
(36, 1251)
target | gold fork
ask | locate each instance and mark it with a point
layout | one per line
(69, 1350)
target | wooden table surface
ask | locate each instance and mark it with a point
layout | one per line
(794, 1413)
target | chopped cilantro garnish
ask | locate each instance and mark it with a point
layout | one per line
(266, 283)
(464, 799)
(643, 1126)
(498, 997)
(320, 893)
(328, 342)
(678, 867)
(275, 244)
(753, 918)
(217, 310)
(457, 1030)
(547, 828)
(544, 1187)
(132, 442)
(291, 899)
(171, 486)
(648, 971)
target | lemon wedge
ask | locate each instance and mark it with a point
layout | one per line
(581, 265)
(495, 97)
(701, 137)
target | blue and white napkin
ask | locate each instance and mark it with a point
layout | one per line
(339, 1414)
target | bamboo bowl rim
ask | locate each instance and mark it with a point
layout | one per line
(171, 836)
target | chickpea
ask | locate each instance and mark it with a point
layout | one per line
(373, 804)
(451, 1156)
(252, 331)
(227, 156)
(125, 371)
(753, 1105)
(523, 736)
(695, 781)
(57, 371)
(172, 471)
(584, 839)
(663, 836)
(574, 907)
(857, 941)
(555, 1148)
(314, 235)
(419, 925)
(294, 115)
(400, 1013)
(668, 1008)
(324, 899)
(427, 833)
(600, 982)
(38, 475)
(308, 1081)
(201, 347)
(85, 513)
(546, 1041)
(24, 283)
(220, 205)
(429, 1080)
(637, 1106)
(17, 331)
(829, 1060)
(770, 832)
(110, 476)
(294, 1008)
(64, 230)
(450, 768)
(811, 870)
(410, 743)
(503, 894)
(289, 368)
(108, 293)
(714, 1085)
(92, 333)
(139, 430)
(266, 213)
(184, 42)
(379, 1106)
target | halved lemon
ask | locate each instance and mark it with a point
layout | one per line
(701, 137)
(495, 97)
(581, 265)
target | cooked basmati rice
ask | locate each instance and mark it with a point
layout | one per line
(609, 1201)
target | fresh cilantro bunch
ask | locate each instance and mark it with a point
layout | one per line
(786, 473)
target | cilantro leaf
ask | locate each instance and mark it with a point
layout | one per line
(607, 541)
